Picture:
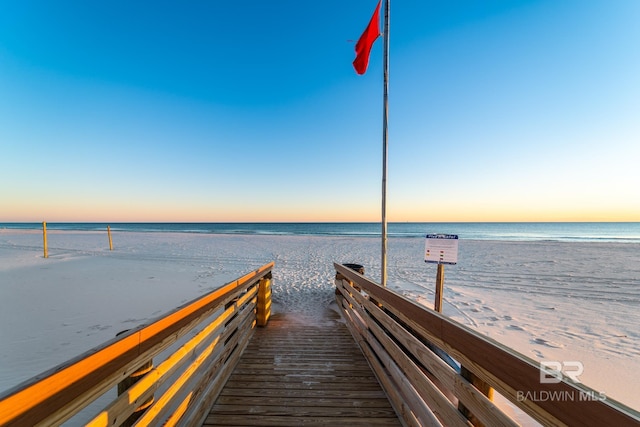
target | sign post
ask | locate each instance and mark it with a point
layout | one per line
(441, 249)
(437, 304)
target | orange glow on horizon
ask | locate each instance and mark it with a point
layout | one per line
(77, 212)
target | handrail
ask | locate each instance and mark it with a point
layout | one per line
(396, 334)
(225, 319)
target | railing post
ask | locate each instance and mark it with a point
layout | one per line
(264, 300)
(355, 267)
(482, 387)
(124, 385)
(339, 277)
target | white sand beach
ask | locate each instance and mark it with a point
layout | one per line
(560, 301)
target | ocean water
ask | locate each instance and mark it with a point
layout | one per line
(504, 231)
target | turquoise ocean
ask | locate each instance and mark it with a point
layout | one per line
(507, 231)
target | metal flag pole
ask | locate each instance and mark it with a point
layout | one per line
(385, 117)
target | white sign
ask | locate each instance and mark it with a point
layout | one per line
(441, 248)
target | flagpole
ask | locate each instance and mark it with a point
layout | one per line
(385, 117)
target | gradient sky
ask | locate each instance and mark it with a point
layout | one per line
(251, 111)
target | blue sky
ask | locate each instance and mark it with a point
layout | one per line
(251, 111)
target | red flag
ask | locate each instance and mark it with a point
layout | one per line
(366, 40)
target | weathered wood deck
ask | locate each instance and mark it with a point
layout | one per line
(299, 371)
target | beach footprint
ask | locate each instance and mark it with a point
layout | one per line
(546, 343)
(94, 329)
(538, 353)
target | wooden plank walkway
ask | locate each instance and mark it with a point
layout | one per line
(298, 372)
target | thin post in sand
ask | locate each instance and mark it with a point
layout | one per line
(109, 234)
(44, 239)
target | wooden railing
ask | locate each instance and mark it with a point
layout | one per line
(408, 347)
(210, 332)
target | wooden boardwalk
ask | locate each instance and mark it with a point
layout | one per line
(304, 368)
(300, 371)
